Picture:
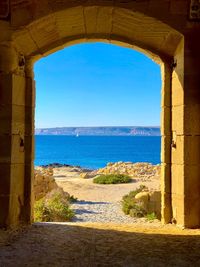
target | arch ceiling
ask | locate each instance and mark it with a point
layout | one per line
(48, 26)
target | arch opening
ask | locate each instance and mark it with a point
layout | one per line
(48, 30)
(112, 80)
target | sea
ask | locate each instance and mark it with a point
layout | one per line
(95, 152)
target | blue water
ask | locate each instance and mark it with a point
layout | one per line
(96, 151)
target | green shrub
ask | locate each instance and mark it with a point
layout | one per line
(133, 193)
(137, 211)
(151, 216)
(130, 205)
(112, 179)
(41, 212)
(54, 207)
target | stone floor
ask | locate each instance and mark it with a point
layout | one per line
(72, 244)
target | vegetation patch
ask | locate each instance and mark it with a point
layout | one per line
(151, 216)
(53, 207)
(112, 179)
(130, 206)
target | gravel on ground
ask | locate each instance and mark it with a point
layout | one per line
(104, 212)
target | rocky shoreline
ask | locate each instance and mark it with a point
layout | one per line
(60, 165)
(136, 170)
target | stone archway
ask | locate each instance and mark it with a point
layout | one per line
(32, 30)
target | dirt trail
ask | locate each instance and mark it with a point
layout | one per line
(85, 189)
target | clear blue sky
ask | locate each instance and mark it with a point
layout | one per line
(97, 84)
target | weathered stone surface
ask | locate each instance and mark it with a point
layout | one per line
(44, 182)
(143, 171)
(150, 201)
(86, 175)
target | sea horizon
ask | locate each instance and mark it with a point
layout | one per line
(101, 131)
(94, 152)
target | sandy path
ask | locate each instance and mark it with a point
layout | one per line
(85, 189)
(98, 203)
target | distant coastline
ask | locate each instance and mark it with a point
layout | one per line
(101, 131)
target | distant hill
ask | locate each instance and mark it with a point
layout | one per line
(101, 131)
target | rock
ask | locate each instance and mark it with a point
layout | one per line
(141, 170)
(155, 203)
(143, 197)
(44, 182)
(84, 175)
(75, 169)
(38, 179)
(150, 201)
(52, 185)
